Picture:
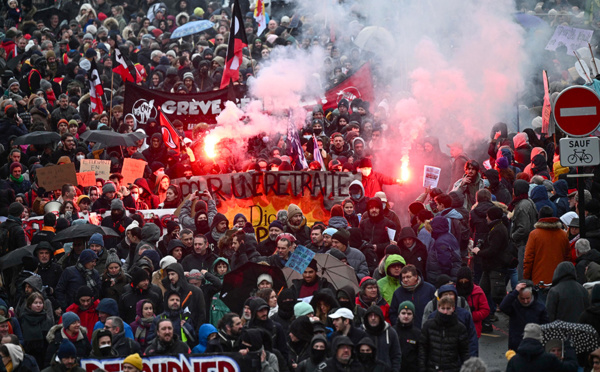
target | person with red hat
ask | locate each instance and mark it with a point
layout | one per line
(372, 181)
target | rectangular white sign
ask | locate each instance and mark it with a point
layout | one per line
(579, 152)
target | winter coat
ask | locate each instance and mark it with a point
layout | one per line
(583, 261)
(560, 197)
(591, 315)
(477, 221)
(55, 336)
(203, 333)
(124, 346)
(360, 201)
(444, 257)
(416, 256)
(175, 347)
(389, 284)
(386, 340)
(129, 300)
(150, 326)
(443, 345)
(16, 234)
(567, 299)
(374, 183)
(523, 220)
(50, 273)
(493, 252)
(195, 302)
(35, 327)
(322, 283)
(479, 307)
(68, 284)
(88, 317)
(520, 315)
(420, 297)
(35, 281)
(548, 245)
(9, 127)
(114, 291)
(358, 262)
(199, 261)
(374, 230)
(409, 336)
(468, 190)
(539, 196)
(531, 356)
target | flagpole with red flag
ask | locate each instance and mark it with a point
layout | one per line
(236, 43)
(96, 89)
(125, 68)
(169, 134)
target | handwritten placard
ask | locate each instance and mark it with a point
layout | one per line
(100, 167)
(86, 179)
(54, 177)
(132, 170)
(300, 259)
(431, 176)
(571, 37)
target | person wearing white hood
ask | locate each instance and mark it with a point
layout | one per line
(15, 359)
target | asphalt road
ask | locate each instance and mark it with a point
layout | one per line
(493, 346)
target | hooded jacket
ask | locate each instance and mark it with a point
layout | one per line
(191, 296)
(524, 216)
(582, 263)
(203, 333)
(520, 315)
(314, 362)
(539, 195)
(531, 356)
(35, 281)
(210, 236)
(55, 336)
(548, 245)
(560, 197)
(444, 257)
(591, 315)
(374, 229)
(385, 339)
(496, 187)
(567, 299)
(88, 317)
(159, 154)
(389, 284)
(416, 255)
(357, 195)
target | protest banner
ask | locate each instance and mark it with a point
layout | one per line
(223, 362)
(431, 176)
(191, 109)
(260, 195)
(86, 179)
(54, 177)
(132, 170)
(571, 37)
(357, 85)
(300, 259)
(100, 167)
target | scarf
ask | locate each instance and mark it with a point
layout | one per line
(411, 288)
(216, 235)
(142, 330)
(17, 180)
(87, 275)
(516, 201)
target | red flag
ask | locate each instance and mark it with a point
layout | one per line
(169, 134)
(125, 68)
(357, 85)
(237, 42)
(547, 107)
(96, 90)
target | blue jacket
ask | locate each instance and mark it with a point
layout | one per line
(8, 127)
(444, 257)
(68, 284)
(465, 317)
(205, 330)
(539, 195)
(520, 315)
(420, 297)
(561, 198)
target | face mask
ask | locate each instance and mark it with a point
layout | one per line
(307, 137)
(319, 355)
(266, 139)
(365, 357)
(384, 204)
(486, 183)
(317, 131)
(80, 157)
(105, 350)
(355, 196)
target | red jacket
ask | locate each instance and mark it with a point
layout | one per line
(479, 306)
(88, 317)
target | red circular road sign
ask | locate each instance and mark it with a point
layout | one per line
(577, 111)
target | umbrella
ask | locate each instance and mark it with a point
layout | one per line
(37, 138)
(138, 136)
(374, 39)
(14, 258)
(335, 271)
(583, 337)
(46, 13)
(108, 138)
(239, 283)
(529, 21)
(83, 231)
(191, 28)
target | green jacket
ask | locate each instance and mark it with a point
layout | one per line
(389, 284)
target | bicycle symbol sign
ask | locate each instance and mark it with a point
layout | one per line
(575, 152)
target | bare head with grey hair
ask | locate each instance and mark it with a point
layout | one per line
(582, 247)
(474, 364)
(538, 180)
(114, 324)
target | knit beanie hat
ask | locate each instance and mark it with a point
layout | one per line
(116, 204)
(113, 258)
(84, 291)
(14, 165)
(69, 318)
(521, 187)
(407, 305)
(138, 275)
(302, 308)
(15, 209)
(276, 224)
(502, 162)
(293, 210)
(87, 256)
(495, 213)
(341, 236)
(392, 249)
(96, 239)
(108, 187)
(329, 231)
(66, 348)
(337, 211)
(302, 328)
(166, 261)
(533, 331)
(135, 360)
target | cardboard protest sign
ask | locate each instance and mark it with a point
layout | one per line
(100, 167)
(300, 259)
(54, 177)
(571, 37)
(132, 170)
(86, 179)
(431, 176)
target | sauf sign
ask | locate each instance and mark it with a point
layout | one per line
(579, 152)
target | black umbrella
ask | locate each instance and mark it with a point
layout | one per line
(137, 136)
(14, 62)
(37, 138)
(14, 258)
(239, 283)
(108, 138)
(46, 13)
(83, 231)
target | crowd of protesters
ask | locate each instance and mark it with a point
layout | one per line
(424, 295)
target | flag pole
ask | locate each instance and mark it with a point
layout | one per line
(112, 82)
